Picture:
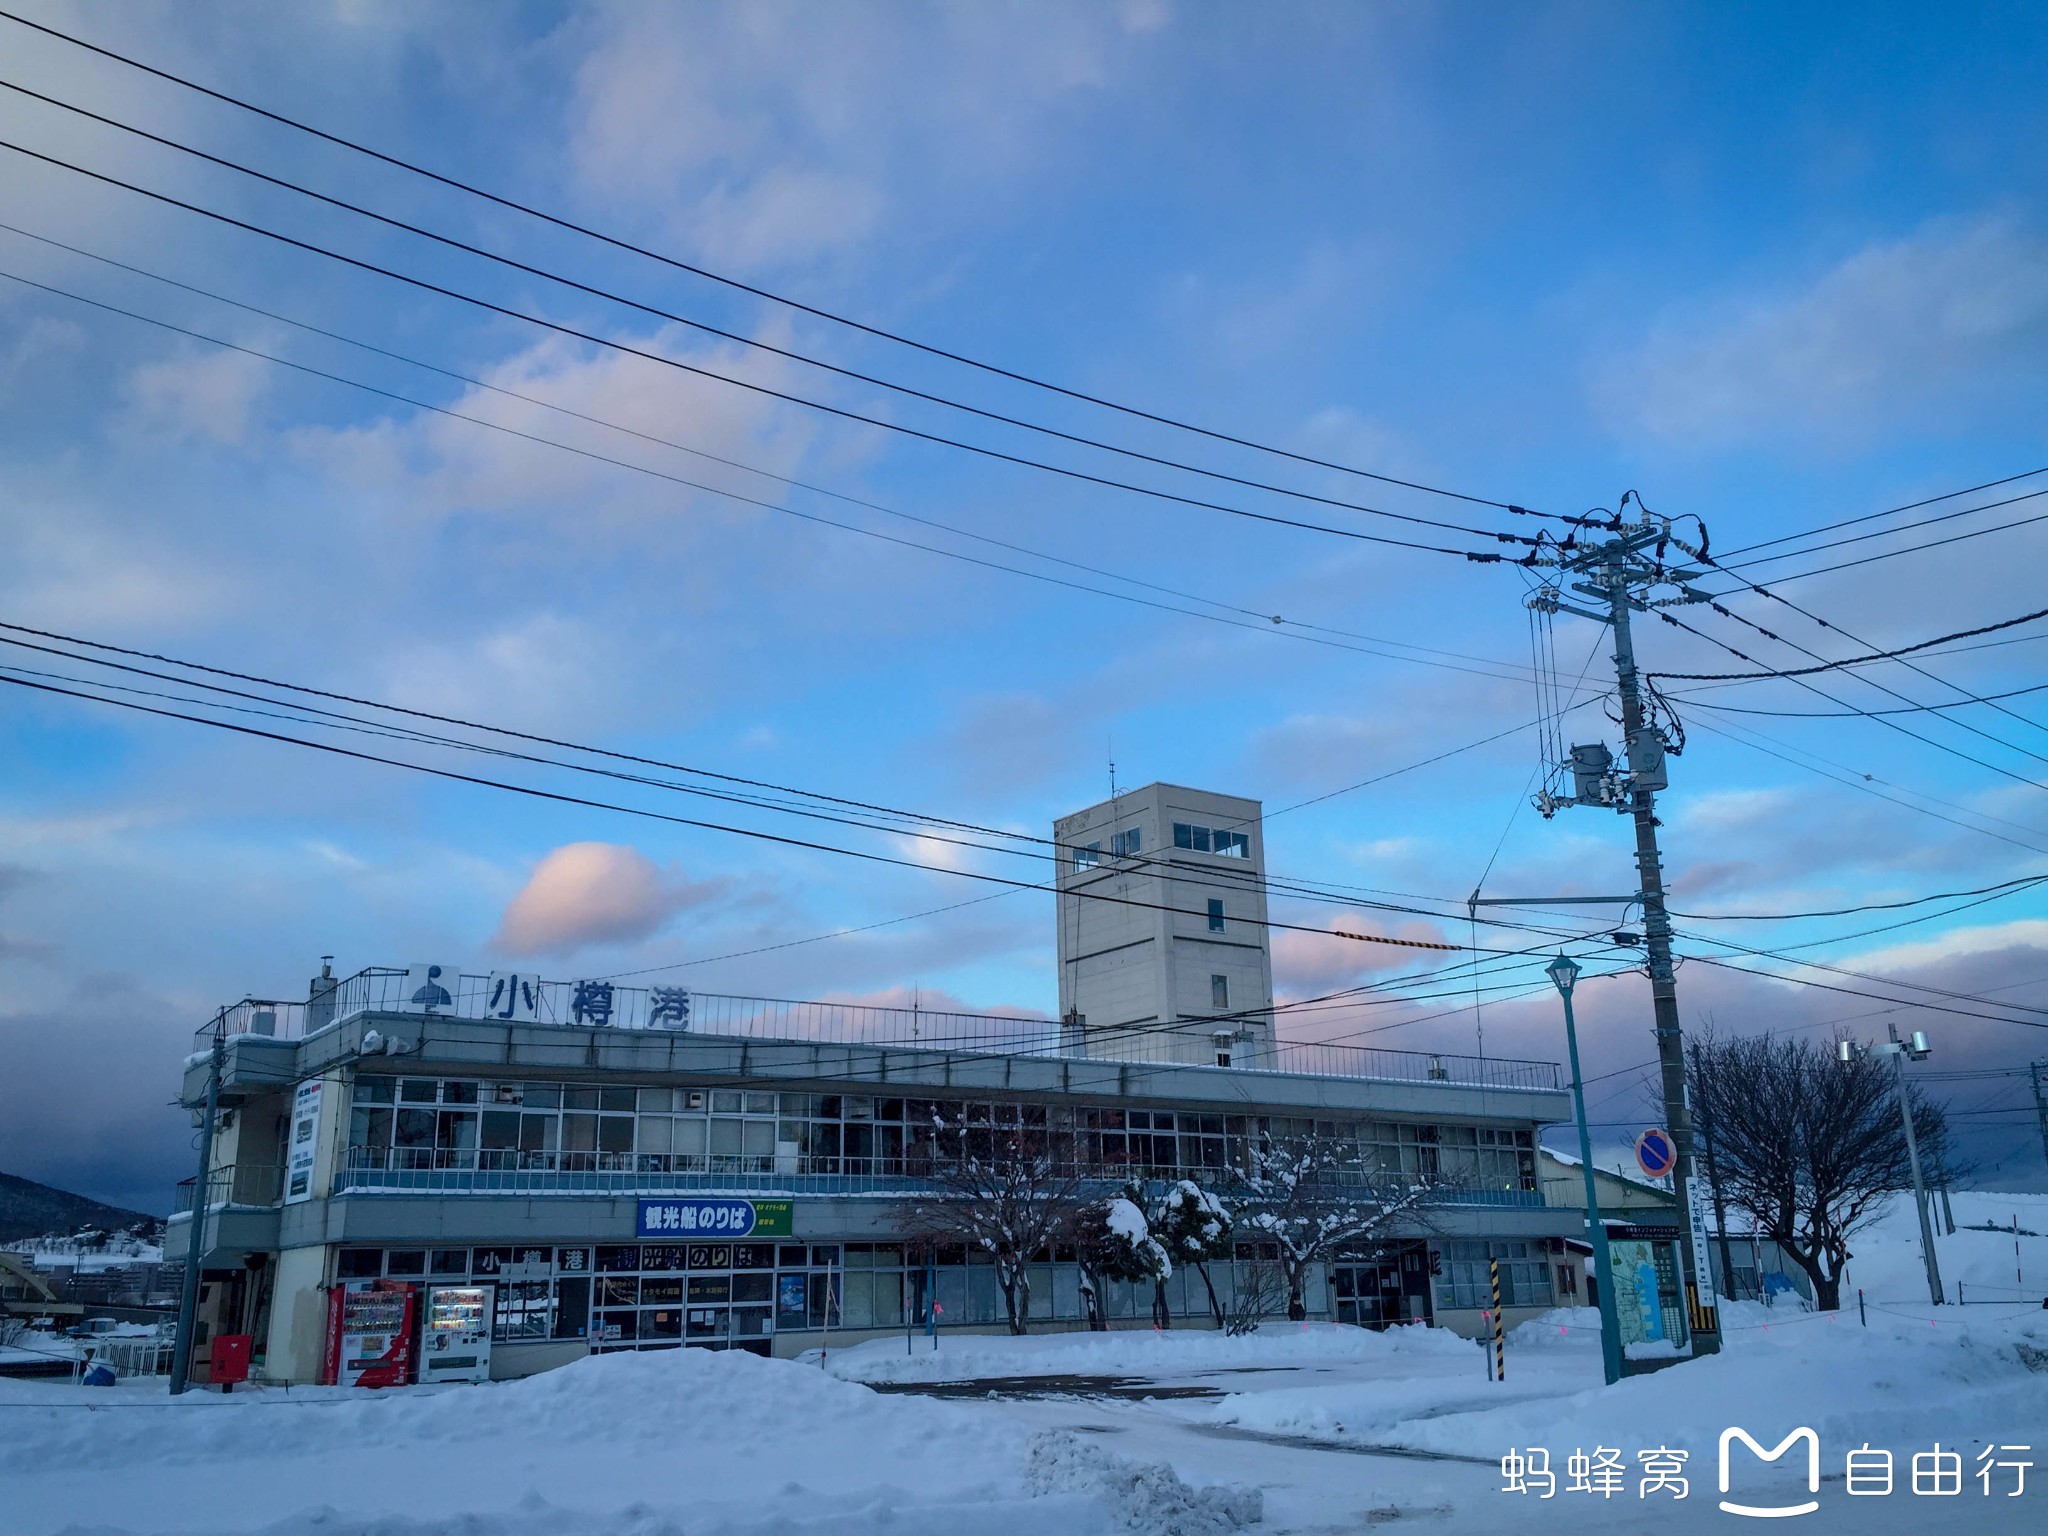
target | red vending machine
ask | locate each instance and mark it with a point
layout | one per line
(369, 1333)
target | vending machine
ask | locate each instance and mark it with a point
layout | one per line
(369, 1333)
(455, 1333)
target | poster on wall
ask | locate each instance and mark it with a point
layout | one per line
(692, 1217)
(369, 1333)
(303, 1151)
(1639, 1315)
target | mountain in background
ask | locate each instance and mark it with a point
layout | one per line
(29, 1209)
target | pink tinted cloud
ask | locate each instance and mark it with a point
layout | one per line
(594, 893)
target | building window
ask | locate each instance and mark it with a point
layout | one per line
(1125, 845)
(1215, 915)
(1089, 857)
(1232, 845)
(1219, 991)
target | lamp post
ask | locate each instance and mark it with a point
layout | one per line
(1916, 1049)
(1563, 972)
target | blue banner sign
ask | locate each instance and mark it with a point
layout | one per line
(690, 1216)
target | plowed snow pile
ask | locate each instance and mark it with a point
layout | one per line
(624, 1445)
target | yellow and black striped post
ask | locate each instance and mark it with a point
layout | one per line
(1500, 1352)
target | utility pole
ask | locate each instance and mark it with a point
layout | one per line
(1899, 1050)
(2040, 1074)
(1619, 573)
(195, 1234)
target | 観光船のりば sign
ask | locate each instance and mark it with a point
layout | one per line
(693, 1217)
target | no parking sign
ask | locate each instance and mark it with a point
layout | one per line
(1656, 1153)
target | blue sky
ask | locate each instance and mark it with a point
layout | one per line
(1773, 269)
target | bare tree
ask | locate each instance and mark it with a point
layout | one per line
(1311, 1197)
(1257, 1292)
(1811, 1148)
(1009, 1195)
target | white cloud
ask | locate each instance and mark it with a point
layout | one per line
(771, 133)
(594, 893)
(208, 395)
(1935, 320)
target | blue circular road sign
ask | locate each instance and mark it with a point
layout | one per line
(1656, 1153)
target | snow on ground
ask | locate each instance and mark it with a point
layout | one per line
(683, 1439)
(1885, 1261)
(1311, 1429)
(1140, 1352)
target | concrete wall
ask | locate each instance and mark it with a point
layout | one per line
(298, 1317)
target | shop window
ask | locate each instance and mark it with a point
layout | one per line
(373, 1090)
(725, 1101)
(458, 1093)
(790, 1254)
(406, 1262)
(656, 1100)
(754, 1286)
(616, 1100)
(618, 1290)
(359, 1264)
(710, 1288)
(659, 1260)
(753, 1256)
(579, 1097)
(613, 1260)
(572, 1308)
(417, 1090)
(661, 1292)
(449, 1261)
(541, 1095)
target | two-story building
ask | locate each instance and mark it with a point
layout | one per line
(584, 1167)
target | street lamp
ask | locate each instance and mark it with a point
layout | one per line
(1917, 1048)
(1564, 973)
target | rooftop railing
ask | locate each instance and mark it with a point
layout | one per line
(507, 998)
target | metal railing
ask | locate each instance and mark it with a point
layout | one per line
(258, 1185)
(383, 989)
(377, 1170)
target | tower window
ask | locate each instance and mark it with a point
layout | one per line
(1219, 991)
(1087, 858)
(1125, 845)
(1215, 915)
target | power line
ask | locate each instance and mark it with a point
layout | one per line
(898, 818)
(1914, 549)
(786, 396)
(1853, 661)
(743, 340)
(1911, 506)
(1889, 724)
(1861, 781)
(1881, 533)
(2002, 887)
(1846, 714)
(748, 832)
(748, 288)
(1296, 629)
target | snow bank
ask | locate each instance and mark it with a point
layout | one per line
(1137, 1495)
(1886, 1264)
(651, 1444)
(1974, 1377)
(1136, 1352)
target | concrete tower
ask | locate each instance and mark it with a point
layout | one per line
(1177, 965)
